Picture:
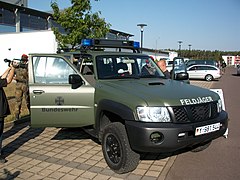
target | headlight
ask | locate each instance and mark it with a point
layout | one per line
(153, 114)
(219, 106)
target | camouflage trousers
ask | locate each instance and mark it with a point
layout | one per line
(22, 90)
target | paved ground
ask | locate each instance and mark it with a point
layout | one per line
(54, 153)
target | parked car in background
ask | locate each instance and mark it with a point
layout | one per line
(201, 71)
(238, 69)
(169, 64)
(206, 62)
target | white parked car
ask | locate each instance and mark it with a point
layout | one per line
(207, 72)
(169, 65)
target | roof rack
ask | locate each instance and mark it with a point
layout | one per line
(96, 44)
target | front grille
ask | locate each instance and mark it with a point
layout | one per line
(199, 113)
(194, 113)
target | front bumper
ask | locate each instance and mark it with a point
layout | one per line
(174, 136)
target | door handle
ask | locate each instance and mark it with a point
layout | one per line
(38, 92)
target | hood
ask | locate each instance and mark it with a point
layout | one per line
(156, 92)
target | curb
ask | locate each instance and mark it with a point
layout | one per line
(167, 167)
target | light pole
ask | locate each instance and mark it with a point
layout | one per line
(141, 29)
(179, 45)
(189, 51)
(189, 47)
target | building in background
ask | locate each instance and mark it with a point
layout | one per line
(15, 16)
(16, 19)
(231, 60)
(23, 3)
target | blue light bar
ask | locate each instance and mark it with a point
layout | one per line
(136, 44)
(111, 43)
(87, 42)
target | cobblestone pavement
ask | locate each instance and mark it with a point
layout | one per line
(55, 153)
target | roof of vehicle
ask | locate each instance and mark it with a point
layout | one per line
(94, 53)
(203, 65)
(201, 61)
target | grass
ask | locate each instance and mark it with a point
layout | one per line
(10, 93)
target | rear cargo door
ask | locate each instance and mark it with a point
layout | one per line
(54, 103)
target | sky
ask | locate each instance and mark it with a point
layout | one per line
(203, 24)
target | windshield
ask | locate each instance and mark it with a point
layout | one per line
(127, 66)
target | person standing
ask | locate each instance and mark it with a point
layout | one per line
(22, 89)
(5, 79)
(162, 65)
(223, 65)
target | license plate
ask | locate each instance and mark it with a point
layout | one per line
(207, 129)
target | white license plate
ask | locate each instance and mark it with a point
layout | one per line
(207, 129)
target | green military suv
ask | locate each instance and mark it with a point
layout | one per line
(122, 98)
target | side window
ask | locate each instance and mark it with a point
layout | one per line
(105, 67)
(212, 68)
(201, 68)
(86, 67)
(193, 68)
(87, 70)
(147, 67)
(51, 70)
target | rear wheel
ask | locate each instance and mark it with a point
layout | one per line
(209, 77)
(116, 149)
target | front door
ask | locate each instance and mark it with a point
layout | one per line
(54, 103)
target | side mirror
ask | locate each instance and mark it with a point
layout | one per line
(182, 76)
(75, 80)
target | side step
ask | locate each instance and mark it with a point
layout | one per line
(91, 131)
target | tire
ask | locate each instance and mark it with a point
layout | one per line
(202, 147)
(116, 149)
(209, 77)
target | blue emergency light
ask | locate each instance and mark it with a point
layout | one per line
(87, 42)
(136, 44)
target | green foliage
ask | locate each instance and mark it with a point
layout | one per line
(78, 22)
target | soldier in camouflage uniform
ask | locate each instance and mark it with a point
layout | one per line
(21, 77)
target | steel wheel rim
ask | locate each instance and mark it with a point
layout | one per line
(113, 149)
(209, 78)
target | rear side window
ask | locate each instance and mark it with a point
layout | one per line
(202, 68)
(211, 68)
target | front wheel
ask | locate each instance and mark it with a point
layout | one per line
(116, 149)
(209, 77)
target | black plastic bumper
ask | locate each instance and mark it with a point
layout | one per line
(173, 136)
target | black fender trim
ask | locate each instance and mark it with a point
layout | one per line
(119, 109)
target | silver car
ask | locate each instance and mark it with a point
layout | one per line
(207, 72)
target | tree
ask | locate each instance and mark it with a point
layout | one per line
(78, 22)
